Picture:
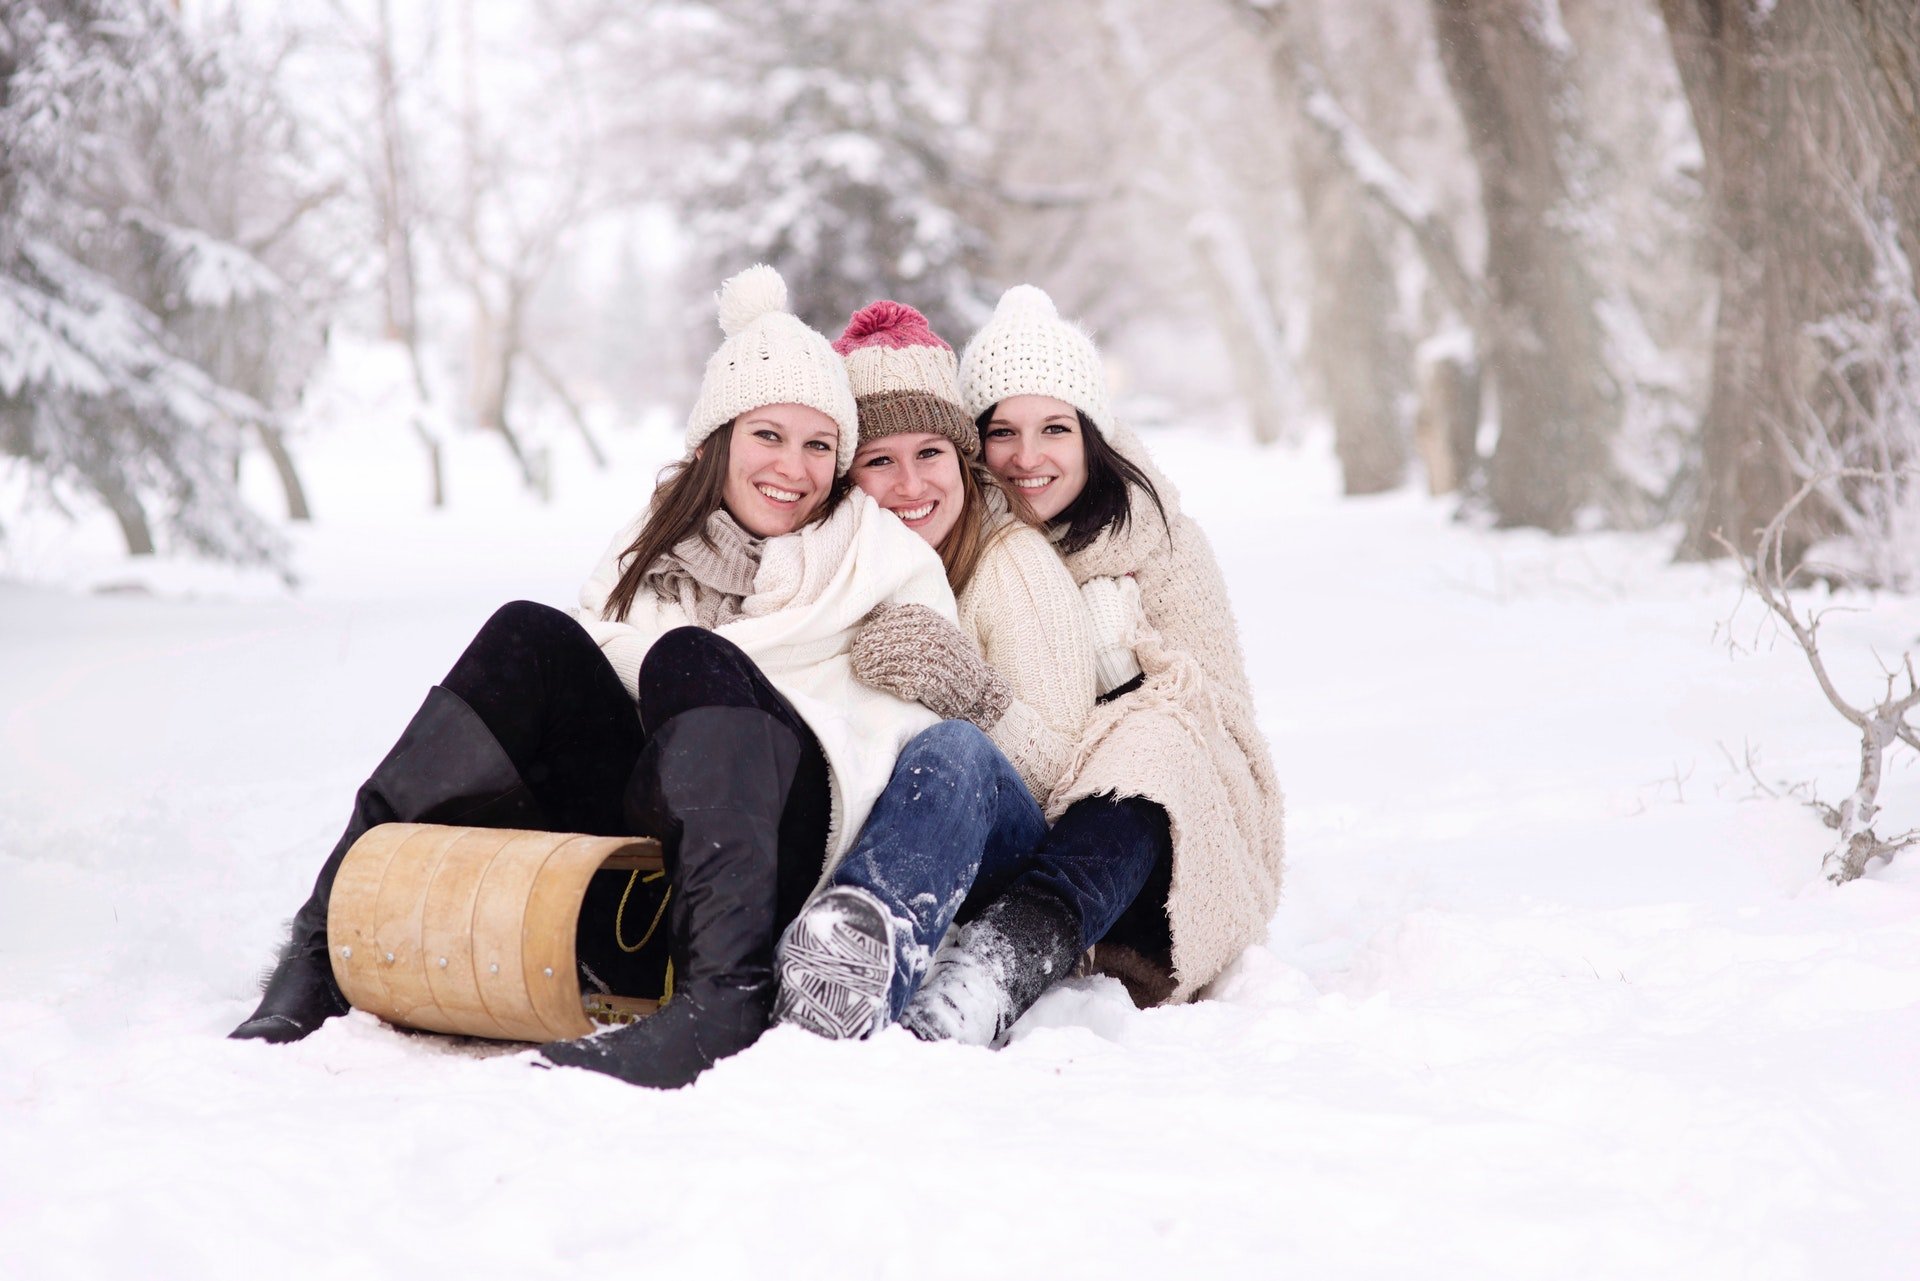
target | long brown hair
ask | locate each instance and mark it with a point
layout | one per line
(686, 494)
(967, 543)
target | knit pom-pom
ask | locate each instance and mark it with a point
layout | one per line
(888, 324)
(1026, 302)
(750, 295)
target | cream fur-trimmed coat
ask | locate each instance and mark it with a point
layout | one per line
(810, 593)
(1186, 739)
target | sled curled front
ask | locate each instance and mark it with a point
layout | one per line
(470, 930)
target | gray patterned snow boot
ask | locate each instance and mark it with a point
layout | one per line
(835, 964)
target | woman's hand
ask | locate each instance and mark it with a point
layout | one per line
(913, 653)
(1115, 617)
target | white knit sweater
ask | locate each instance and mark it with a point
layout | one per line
(1025, 614)
(810, 594)
(1187, 738)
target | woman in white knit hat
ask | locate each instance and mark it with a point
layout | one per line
(1015, 678)
(722, 616)
(1165, 853)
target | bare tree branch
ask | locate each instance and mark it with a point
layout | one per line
(1881, 726)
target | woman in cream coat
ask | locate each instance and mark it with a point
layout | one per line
(1169, 817)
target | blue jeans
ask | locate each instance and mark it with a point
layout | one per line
(1109, 859)
(953, 810)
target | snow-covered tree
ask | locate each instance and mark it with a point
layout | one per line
(1808, 121)
(828, 139)
(143, 330)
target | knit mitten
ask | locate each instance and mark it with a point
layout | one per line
(1114, 615)
(912, 652)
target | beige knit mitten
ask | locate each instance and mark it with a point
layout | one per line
(912, 652)
(1114, 616)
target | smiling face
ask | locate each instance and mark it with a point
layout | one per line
(1034, 445)
(779, 467)
(916, 476)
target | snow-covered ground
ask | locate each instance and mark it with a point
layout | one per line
(1555, 990)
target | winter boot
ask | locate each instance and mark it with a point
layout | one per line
(836, 964)
(446, 768)
(712, 783)
(998, 966)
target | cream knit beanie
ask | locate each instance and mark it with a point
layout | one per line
(904, 376)
(770, 357)
(1025, 349)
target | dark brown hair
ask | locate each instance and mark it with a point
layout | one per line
(686, 494)
(1103, 502)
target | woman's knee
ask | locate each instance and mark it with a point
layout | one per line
(525, 618)
(690, 667)
(955, 750)
(520, 637)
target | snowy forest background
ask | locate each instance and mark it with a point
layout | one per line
(1589, 265)
(1467, 329)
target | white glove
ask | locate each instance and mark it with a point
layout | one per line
(1115, 616)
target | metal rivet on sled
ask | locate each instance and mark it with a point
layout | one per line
(389, 958)
(347, 953)
(494, 968)
(443, 962)
(549, 971)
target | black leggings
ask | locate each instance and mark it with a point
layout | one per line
(553, 702)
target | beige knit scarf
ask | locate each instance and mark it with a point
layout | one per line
(708, 577)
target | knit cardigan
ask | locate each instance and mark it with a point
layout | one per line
(1186, 739)
(1025, 614)
(812, 590)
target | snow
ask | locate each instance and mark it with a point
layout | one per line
(1555, 989)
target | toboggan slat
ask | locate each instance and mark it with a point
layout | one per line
(470, 930)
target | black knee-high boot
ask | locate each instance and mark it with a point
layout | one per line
(446, 768)
(712, 782)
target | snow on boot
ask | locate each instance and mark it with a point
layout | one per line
(446, 768)
(712, 783)
(998, 966)
(835, 964)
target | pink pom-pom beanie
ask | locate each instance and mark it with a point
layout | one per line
(904, 376)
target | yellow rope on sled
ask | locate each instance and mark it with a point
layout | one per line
(620, 916)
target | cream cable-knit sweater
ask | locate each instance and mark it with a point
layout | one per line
(1187, 739)
(812, 590)
(1026, 616)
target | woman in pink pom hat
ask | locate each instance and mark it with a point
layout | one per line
(1014, 678)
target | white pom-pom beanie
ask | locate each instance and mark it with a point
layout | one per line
(770, 357)
(1026, 349)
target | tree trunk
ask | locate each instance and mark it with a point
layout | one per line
(496, 345)
(1250, 327)
(1359, 357)
(1558, 402)
(1807, 119)
(276, 446)
(575, 414)
(128, 512)
(395, 205)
